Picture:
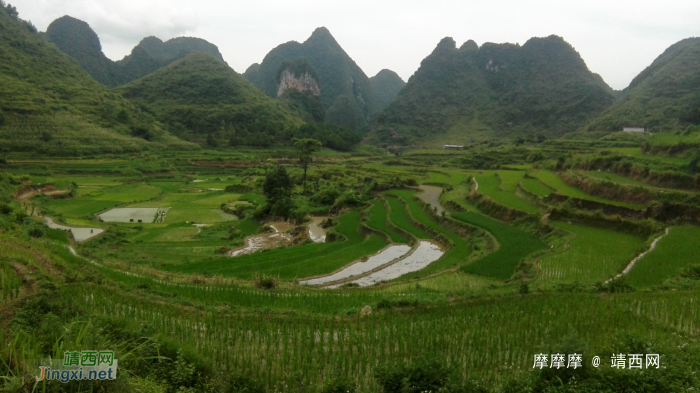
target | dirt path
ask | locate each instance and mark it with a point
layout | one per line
(43, 191)
(477, 184)
(640, 256)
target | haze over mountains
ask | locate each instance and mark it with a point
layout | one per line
(458, 95)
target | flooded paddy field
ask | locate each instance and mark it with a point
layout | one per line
(79, 234)
(135, 214)
(431, 196)
(384, 257)
(317, 233)
(426, 253)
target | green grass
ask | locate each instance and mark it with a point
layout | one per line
(129, 193)
(436, 177)
(672, 253)
(490, 185)
(295, 262)
(217, 198)
(536, 187)
(102, 199)
(177, 234)
(377, 220)
(79, 207)
(553, 180)
(615, 178)
(398, 217)
(514, 246)
(192, 206)
(510, 179)
(594, 255)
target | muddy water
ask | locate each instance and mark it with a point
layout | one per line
(316, 233)
(383, 257)
(265, 240)
(431, 196)
(79, 234)
(426, 253)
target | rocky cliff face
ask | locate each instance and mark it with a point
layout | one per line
(305, 83)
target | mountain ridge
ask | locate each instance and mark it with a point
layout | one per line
(78, 40)
(541, 87)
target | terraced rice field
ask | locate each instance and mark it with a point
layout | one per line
(553, 180)
(193, 207)
(490, 185)
(536, 187)
(295, 262)
(514, 246)
(399, 218)
(385, 256)
(680, 248)
(594, 255)
(423, 255)
(377, 220)
(455, 256)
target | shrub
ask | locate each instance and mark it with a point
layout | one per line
(36, 232)
(421, 376)
(265, 282)
(243, 383)
(340, 385)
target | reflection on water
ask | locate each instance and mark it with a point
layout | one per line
(431, 196)
(316, 233)
(383, 257)
(79, 234)
(426, 253)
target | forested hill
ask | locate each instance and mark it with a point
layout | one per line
(48, 104)
(386, 85)
(346, 94)
(201, 97)
(541, 87)
(77, 39)
(663, 97)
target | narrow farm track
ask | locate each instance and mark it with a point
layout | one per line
(638, 257)
(32, 193)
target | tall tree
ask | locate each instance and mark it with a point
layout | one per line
(306, 147)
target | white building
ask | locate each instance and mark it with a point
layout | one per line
(635, 130)
(454, 147)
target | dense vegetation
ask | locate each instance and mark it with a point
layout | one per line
(288, 257)
(344, 86)
(76, 39)
(664, 97)
(543, 87)
(51, 106)
(386, 85)
(200, 98)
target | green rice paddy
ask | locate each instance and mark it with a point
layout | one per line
(553, 180)
(377, 220)
(514, 246)
(491, 186)
(680, 248)
(398, 217)
(594, 255)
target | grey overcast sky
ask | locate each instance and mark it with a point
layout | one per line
(616, 38)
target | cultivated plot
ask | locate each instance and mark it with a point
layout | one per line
(674, 252)
(594, 255)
